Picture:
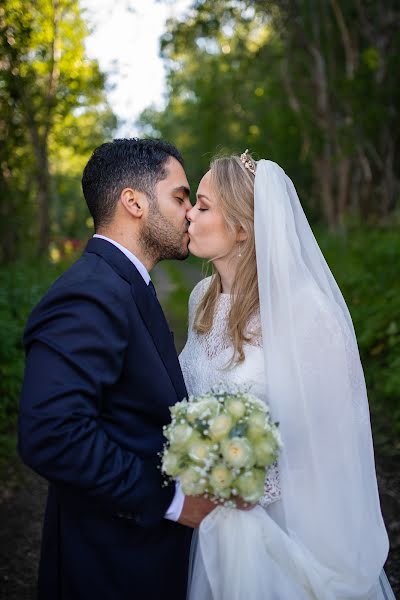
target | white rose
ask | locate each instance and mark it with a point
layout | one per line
(235, 407)
(238, 453)
(265, 452)
(250, 485)
(220, 478)
(220, 427)
(170, 463)
(199, 450)
(256, 425)
(180, 435)
(192, 483)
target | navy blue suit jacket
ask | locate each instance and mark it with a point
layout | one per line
(101, 373)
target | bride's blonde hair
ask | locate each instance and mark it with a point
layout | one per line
(233, 186)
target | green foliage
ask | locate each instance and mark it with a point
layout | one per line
(365, 264)
(53, 112)
(312, 86)
(21, 287)
(221, 99)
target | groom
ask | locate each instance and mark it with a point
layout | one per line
(101, 373)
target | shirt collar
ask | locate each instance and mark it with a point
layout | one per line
(139, 265)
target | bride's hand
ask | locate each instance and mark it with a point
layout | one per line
(195, 509)
(241, 504)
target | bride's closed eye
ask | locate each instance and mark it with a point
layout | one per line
(199, 206)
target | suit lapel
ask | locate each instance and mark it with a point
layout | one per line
(153, 316)
(149, 308)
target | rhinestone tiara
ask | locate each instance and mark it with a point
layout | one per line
(248, 162)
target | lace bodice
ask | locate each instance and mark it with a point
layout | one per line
(205, 362)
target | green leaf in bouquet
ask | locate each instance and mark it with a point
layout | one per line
(201, 425)
(239, 430)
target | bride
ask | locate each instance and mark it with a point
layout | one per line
(272, 317)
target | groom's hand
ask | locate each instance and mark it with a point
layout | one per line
(195, 509)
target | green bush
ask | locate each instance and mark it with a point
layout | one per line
(365, 263)
(21, 286)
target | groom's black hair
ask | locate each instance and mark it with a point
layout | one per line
(113, 166)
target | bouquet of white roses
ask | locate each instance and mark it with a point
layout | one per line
(220, 445)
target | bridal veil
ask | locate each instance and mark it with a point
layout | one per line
(316, 391)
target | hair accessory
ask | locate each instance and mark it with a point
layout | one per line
(248, 162)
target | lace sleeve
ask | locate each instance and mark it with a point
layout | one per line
(253, 330)
(272, 487)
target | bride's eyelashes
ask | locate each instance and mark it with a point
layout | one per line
(199, 208)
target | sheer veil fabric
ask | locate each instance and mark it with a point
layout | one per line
(325, 539)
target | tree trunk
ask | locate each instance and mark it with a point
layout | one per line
(323, 173)
(366, 188)
(42, 177)
(43, 198)
(388, 180)
(343, 186)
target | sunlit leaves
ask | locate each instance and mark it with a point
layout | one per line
(53, 109)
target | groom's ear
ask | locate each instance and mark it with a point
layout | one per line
(134, 202)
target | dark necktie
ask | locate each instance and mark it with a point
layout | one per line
(152, 288)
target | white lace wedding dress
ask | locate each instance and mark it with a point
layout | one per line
(205, 357)
(204, 361)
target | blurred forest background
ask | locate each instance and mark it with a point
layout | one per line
(311, 84)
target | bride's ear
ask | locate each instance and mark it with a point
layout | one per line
(241, 235)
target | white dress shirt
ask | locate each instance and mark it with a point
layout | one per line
(174, 510)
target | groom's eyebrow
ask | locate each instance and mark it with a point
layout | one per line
(182, 189)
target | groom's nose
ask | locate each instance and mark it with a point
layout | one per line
(189, 214)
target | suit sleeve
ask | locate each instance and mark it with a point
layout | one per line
(75, 350)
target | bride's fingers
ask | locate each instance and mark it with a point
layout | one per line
(239, 502)
(242, 505)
